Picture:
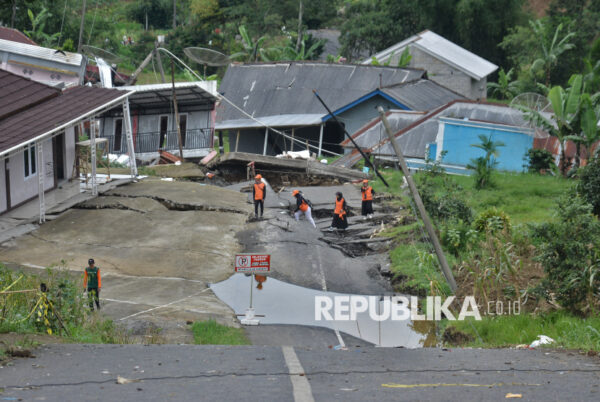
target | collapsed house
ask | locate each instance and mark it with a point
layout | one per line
(260, 96)
(39, 128)
(447, 135)
(446, 63)
(45, 65)
(154, 123)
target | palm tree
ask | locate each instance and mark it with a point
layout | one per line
(550, 50)
(485, 165)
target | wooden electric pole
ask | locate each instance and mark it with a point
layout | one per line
(174, 14)
(81, 28)
(415, 193)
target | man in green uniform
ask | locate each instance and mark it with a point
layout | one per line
(92, 282)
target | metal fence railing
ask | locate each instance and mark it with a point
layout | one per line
(167, 141)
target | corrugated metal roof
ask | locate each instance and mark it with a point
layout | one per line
(442, 49)
(156, 95)
(286, 88)
(38, 52)
(19, 93)
(15, 35)
(282, 120)
(422, 94)
(42, 119)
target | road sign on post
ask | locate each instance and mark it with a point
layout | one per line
(252, 263)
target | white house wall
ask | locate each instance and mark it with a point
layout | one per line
(2, 188)
(22, 189)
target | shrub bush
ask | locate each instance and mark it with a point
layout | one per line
(492, 220)
(539, 160)
(589, 184)
(569, 254)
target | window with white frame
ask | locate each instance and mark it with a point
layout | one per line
(29, 160)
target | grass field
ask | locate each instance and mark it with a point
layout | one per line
(568, 331)
(211, 333)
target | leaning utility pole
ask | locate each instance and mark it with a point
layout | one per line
(81, 28)
(415, 193)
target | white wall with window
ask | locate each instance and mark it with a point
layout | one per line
(24, 170)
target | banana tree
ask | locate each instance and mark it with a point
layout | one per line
(565, 121)
(550, 50)
(504, 88)
(252, 48)
(590, 132)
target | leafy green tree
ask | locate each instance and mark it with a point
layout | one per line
(589, 184)
(38, 25)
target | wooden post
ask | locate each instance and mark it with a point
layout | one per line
(415, 193)
(221, 144)
(266, 137)
(321, 139)
(237, 140)
(176, 111)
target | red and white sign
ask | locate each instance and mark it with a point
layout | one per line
(252, 263)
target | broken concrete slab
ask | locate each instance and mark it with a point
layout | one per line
(182, 195)
(239, 161)
(139, 204)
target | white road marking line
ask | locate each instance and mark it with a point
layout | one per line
(108, 274)
(119, 301)
(162, 306)
(300, 385)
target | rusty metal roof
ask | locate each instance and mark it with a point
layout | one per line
(16, 36)
(19, 93)
(55, 113)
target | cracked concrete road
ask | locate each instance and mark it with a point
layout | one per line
(156, 243)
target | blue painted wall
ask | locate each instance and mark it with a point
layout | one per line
(458, 140)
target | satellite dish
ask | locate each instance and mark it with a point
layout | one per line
(530, 101)
(98, 53)
(207, 57)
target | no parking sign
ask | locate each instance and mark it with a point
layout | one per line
(252, 263)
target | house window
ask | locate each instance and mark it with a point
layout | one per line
(29, 160)
(118, 135)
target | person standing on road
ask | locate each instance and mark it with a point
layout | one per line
(302, 207)
(367, 200)
(260, 193)
(340, 213)
(92, 283)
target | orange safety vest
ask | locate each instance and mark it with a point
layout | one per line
(259, 191)
(303, 206)
(339, 207)
(367, 194)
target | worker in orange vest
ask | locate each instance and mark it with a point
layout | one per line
(302, 207)
(367, 200)
(340, 213)
(259, 191)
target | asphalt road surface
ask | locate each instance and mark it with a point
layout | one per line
(268, 373)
